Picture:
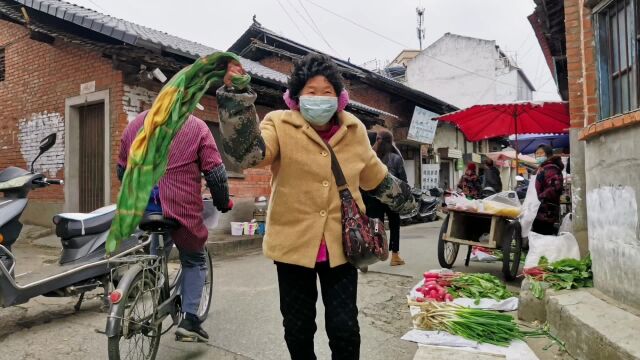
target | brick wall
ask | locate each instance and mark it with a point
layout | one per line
(39, 77)
(581, 64)
(278, 63)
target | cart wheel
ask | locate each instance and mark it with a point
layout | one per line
(511, 250)
(447, 251)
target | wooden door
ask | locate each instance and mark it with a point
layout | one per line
(91, 156)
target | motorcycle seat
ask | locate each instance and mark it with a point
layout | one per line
(156, 223)
(70, 225)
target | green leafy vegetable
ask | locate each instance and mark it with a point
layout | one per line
(563, 274)
(478, 286)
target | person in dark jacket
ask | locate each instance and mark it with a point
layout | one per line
(549, 186)
(469, 182)
(491, 176)
(388, 153)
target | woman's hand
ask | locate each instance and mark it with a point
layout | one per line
(233, 68)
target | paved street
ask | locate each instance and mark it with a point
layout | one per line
(245, 321)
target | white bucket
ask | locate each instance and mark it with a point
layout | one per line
(236, 228)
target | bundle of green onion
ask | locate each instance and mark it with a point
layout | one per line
(478, 325)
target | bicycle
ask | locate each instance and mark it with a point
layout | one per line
(146, 295)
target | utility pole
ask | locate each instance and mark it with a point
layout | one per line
(420, 12)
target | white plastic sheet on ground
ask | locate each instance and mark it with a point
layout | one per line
(480, 255)
(510, 304)
(518, 350)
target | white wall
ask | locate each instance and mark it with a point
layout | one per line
(455, 86)
(492, 81)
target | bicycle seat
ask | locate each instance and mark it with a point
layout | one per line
(156, 223)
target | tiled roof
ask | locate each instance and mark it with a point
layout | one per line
(145, 37)
(138, 35)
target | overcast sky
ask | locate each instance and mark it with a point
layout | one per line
(219, 23)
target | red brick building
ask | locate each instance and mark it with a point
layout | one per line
(598, 41)
(85, 75)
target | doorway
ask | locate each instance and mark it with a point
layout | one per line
(91, 157)
(87, 152)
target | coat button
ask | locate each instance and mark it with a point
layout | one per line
(325, 183)
(323, 213)
(324, 153)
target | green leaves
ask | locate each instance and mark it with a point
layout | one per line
(563, 274)
(478, 286)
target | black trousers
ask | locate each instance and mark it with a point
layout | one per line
(377, 210)
(298, 297)
(544, 228)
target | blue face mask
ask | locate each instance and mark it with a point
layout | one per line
(318, 110)
(541, 159)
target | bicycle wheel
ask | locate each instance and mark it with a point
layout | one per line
(447, 251)
(207, 291)
(138, 339)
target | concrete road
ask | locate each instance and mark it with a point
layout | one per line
(244, 323)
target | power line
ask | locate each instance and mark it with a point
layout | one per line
(94, 3)
(406, 46)
(292, 20)
(318, 29)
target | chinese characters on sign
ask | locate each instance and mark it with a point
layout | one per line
(430, 176)
(423, 127)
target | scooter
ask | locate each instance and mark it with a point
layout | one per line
(429, 205)
(427, 209)
(83, 265)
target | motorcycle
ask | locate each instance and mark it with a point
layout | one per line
(427, 209)
(82, 266)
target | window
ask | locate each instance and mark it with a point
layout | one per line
(2, 64)
(617, 46)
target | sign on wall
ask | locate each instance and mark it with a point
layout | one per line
(430, 176)
(423, 127)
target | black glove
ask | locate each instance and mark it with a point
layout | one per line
(217, 182)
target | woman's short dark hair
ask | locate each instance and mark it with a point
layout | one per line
(548, 151)
(310, 66)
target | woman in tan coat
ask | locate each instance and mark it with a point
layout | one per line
(304, 236)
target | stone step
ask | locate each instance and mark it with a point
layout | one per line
(593, 326)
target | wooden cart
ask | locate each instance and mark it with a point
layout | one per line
(466, 228)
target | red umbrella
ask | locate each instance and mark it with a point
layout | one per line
(481, 122)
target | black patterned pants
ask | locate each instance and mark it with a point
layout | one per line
(298, 297)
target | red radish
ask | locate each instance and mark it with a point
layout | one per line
(433, 294)
(427, 283)
(419, 299)
(441, 293)
(431, 287)
(448, 297)
(430, 275)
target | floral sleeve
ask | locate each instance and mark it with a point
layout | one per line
(396, 194)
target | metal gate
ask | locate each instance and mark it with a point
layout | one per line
(91, 156)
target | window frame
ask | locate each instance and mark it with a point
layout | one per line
(611, 101)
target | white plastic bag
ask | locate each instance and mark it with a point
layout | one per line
(506, 197)
(567, 224)
(554, 248)
(529, 208)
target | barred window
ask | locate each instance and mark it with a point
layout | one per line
(617, 45)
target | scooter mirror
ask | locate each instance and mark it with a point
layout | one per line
(45, 144)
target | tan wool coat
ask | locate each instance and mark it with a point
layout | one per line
(304, 204)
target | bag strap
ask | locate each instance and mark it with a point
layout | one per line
(341, 182)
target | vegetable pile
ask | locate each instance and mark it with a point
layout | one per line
(478, 286)
(560, 275)
(446, 287)
(473, 324)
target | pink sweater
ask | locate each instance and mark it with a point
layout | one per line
(323, 254)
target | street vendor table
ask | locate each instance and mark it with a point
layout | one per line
(462, 227)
